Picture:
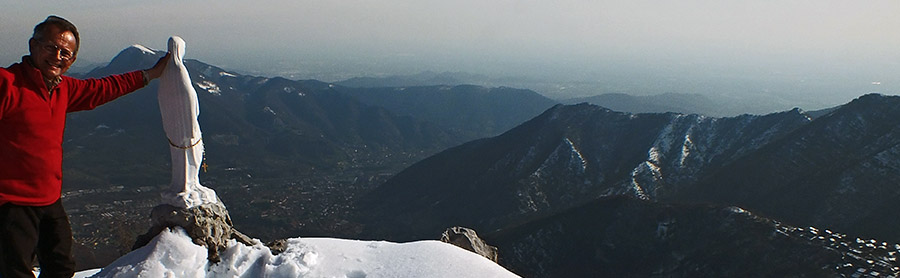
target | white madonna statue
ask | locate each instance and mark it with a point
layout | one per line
(179, 108)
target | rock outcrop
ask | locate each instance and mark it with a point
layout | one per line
(467, 239)
(209, 225)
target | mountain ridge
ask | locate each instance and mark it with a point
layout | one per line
(567, 154)
(842, 160)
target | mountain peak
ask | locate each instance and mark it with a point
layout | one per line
(131, 58)
(873, 99)
(144, 49)
(871, 106)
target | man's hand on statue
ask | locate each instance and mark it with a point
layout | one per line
(157, 70)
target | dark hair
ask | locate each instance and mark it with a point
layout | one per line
(41, 29)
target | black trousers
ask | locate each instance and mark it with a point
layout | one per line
(28, 231)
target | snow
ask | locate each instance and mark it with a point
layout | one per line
(172, 254)
(685, 149)
(653, 155)
(210, 87)
(646, 191)
(739, 210)
(82, 274)
(576, 160)
(144, 49)
(565, 152)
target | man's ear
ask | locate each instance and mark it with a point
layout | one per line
(32, 45)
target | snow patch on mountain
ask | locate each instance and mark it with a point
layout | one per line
(567, 154)
(645, 180)
(531, 199)
(685, 149)
(689, 144)
(210, 87)
(145, 49)
(290, 90)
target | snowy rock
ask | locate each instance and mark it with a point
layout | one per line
(467, 239)
(180, 258)
(208, 225)
(277, 246)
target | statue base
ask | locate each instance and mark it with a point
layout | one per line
(209, 225)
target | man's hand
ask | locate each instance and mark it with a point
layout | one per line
(157, 70)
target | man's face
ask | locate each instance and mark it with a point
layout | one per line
(49, 54)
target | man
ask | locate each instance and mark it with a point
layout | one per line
(34, 100)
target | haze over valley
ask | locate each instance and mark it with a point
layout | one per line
(778, 55)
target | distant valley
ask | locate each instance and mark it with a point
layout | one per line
(649, 101)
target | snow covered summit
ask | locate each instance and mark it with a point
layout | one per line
(172, 254)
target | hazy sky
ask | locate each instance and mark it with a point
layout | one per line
(682, 42)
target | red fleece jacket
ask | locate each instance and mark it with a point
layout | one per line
(32, 121)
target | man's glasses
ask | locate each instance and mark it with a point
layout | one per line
(64, 54)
